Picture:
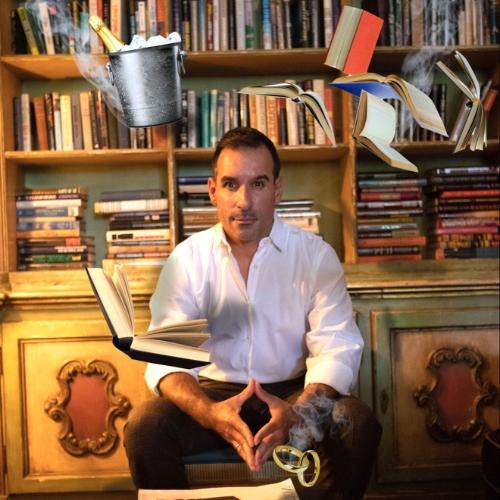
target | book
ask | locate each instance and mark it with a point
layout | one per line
(473, 131)
(354, 41)
(419, 104)
(28, 30)
(175, 344)
(310, 99)
(375, 127)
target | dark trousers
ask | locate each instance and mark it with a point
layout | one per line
(158, 435)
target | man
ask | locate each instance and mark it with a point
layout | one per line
(282, 335)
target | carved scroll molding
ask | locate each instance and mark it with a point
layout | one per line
(87, 407)
(455, 371)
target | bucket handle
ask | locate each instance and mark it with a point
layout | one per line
(181, 55)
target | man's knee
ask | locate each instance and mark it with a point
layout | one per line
(150, 422)
(354, 417)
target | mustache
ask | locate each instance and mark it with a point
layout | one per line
(244, 215)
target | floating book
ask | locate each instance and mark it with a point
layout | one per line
(354, 41)
(311, 99)
(176, 344)
(375, 127)
(473, 132)
(394, 87)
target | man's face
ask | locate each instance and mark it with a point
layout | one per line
(245, 193)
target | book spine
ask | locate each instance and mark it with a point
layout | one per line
(129, 205)
(41, 123)
(138, 234)
(28, 30)
(47, 225)
(66, 123)
(26, 122)
(266, 25)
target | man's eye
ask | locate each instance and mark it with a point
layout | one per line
(259, 184)
(230, 185)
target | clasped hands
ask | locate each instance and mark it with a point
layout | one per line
(254, 450)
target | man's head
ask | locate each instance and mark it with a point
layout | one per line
(245, 185)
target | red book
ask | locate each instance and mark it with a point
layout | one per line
(401, 195)
(41, 123)
(363, 44)
(392, 242)
(466, 230)
(467, 193)
(381, 258)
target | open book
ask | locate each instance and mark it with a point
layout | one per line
(311, 99)
(473, 132)
(375, 127)
(394, 87)
(176, 344)
(353, 43)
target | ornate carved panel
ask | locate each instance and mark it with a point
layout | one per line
(456, 394)
(87, 407)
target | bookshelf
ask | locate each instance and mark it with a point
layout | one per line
(56, 299)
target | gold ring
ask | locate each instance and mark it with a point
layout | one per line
(316, 463)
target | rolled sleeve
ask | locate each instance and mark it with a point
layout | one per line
(334, 341)
(155, 373)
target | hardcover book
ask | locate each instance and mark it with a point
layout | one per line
(176, 344)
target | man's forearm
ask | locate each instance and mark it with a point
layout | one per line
(316, 390)
(185, 392)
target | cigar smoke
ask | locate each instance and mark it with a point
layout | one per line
(316, 416)
(75, 40)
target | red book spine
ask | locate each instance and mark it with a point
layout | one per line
(473, 193)
(392, 242)
(466, 230)
(402, 195)
(363, 44)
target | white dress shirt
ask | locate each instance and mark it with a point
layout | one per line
(293, 315)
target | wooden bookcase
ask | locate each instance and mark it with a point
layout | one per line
(38, 307)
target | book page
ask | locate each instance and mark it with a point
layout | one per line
(120, 281)
(166, 348)
(275, 491)
(194, 339)
(391, 156)
(289, 90)
(315, 104)
(469, 73)
(110, 303)
(190, 325)
(380, 120)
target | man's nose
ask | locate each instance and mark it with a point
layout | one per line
(243, 197)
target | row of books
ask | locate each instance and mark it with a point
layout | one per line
(61, 26)
(138, 226)
(50, 229)
(463, 206)
(254, 24)
(67, 122)
(389, 208)
(436, 23)
(210, 113)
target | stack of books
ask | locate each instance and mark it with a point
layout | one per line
(50, 229)
(138, 226)
(463, 206)
(300, 213)
(389, 206)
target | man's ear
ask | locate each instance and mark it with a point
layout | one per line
(278, 186)
(211, 191)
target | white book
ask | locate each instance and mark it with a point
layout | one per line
(375, 128)
(223, 25)
(240, 24)
(175, 344)
(56, 103)
(66, 123)
(195, 44)
(152, 18)
(108, 207)
(319, 133)
(216, 24)
(86, 126)
(328, 21)
(43, 12)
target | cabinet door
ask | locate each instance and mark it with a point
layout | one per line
(435, 375)
(68, 392)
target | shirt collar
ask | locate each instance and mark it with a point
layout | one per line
(277, 236)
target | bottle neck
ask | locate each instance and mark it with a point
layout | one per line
(112, 43)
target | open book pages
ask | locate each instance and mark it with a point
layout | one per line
(275, 491)
(394, 87)
(375, 127)
(311, 99)
(473, 132)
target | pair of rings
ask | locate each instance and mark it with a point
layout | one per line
(300, 465)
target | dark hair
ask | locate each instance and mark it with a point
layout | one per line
(246, 137)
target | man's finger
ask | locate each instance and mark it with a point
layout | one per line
(269, 428)
(246, 393)
(262, 394)
(265, 449)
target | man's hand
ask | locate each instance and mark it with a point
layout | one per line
(275, 432)
(224, 418)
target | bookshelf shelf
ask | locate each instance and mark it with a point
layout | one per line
(116, 157)
(440, 148)
(289, 154)
(247, 62)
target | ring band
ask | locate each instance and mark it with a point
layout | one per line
(303, 463)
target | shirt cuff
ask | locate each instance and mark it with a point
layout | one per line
(155, 373)
(329, 372)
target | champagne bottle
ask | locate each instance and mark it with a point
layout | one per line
(112, 43)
